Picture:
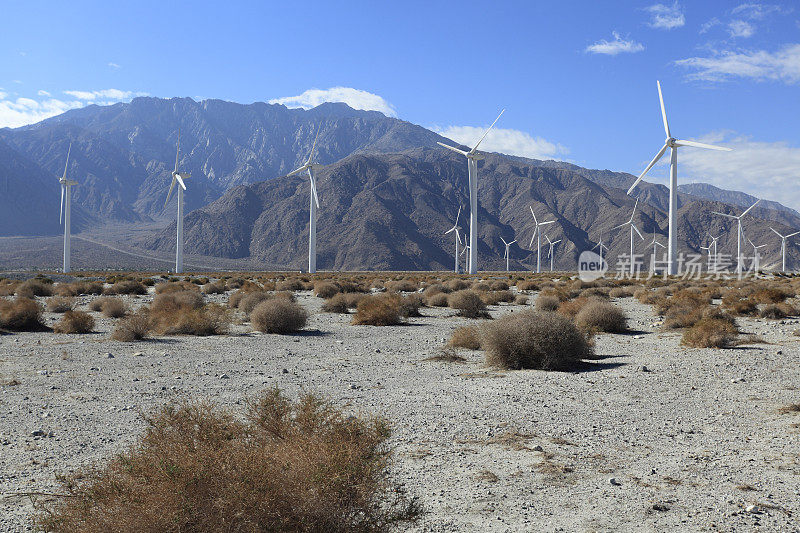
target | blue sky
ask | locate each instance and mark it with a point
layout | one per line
(577, 78)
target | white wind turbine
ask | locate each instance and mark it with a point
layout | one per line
(673, 144)
(633, 228)
(714, 244)
(66, 211)
(739, 235)
(600, 247)
(550, 253)
(654, 244)
(455, 228)
(507, 255)
(783, 247)
(537, 233)
(708, 251)
(178, 177)
(473, 156)
(466, 251)
(755, 256)
(313, 203)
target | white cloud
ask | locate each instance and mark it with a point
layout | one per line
(506, 141)
(617, 46)
(710, 24)
(113, 65)
(768, 170)
(756, 11)
(23, 110)
(355, 98)
(760, 65)
(666, 17)
(740, 28)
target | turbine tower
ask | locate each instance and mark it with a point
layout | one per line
(550, 253)
(178, 177)
(783, 247)
(654, 244)
(714, 244)
(313, 205)
(708, 261)
(66, 211)
(673, 144)
(473, 156)
(633, 228)
(755, 256)
(538, 233)
(739, 235)
(507, 256)
(600, 247)
(458, 237)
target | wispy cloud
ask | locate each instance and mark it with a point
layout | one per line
(21, 111)
(666, 17)
(617, 46)
(113, 65)
(740, 28)
(355, 98)
(757, 11)
(768, 170)
(506, 141)
(759, 65)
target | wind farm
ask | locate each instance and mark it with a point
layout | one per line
(300, 331)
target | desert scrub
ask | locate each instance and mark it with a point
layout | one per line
(378, 310)
(437, 299)
(284, 466)
(21, 314)
(520, 299)
(778, 310)
(601, 316)
(60, 304)
(546, 302)
(110, 306)
(134, 327)
(468, 304)
(410, 305)
(126, 287)
(336, 304)
(465, 337)
(528, 339)
(75, 322)
(496, 297)
(278, 315)
(34, 287)
(252, 299)
(325, 289)
(217, 287)
(711, 333)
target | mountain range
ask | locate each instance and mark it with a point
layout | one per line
(388, 191)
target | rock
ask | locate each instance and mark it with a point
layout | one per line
(224, 376)
(109, 355)
(660, 507)
(377, 350)
(644, 369)
(780, 352)
(38, 433)
(737, 380)
(285, 371)
(752, 509)
(537, 448)
(138, 354)
(614, 481)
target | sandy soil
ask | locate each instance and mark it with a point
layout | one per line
(691, 437)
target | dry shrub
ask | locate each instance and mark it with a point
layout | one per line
(496, 297)
(170, 301)
(562, 294)
(465, 337)
(769, 295)
(325, 289)
(134, 327)
(211, 319)
(711, 333)
(596, 292)
(571, 308)
(778, 310)
(21, 314)
(288, 466)
(437, 299)
(546, 302)
(498, 286)
(8, 287)
(236, 298)
(468, 303)
(740, 306)
(126, 287)
(97, 303)
(336, 304)
(456, 284)
(218, 287)
(378, 310)
(113, 308)
(278, 315)
(290, 285)
(60, 304)
(352, 299)
(410, 305)
(75, 322)
(251, 300)
(480, 286)
(527, 285)
(520, 299)
(682, 316)
(436, 288)
(176, 286)
(34, 287)
(528, 339)
(622, 292)
(600, 316)
(403, 285)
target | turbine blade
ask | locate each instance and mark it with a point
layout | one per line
(180, 181)
(702, 145)
(61, 211)
(512, 242)
(663, 110)
(457, 215)
(487, 131)
(451, 229)
(504, 241)
(637, 231)
(533, 236)
(634, 210)
(778, 234)
(546, 223)
(313, 187)
(462, 152)
(314, 145)
(749, 208)
(723, 214)
(170, 191)
(297, 170)
(66, 165)
(534, 215)
(556, 242)
(646, 170)
(178, 151)
(792, 234)
(620, 226)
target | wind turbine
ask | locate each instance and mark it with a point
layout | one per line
(755, 256)
(600, 247)
(550, 254)
(633, 228)
(313, 205)
(507, 256)
(673, 144)
(739, 235)
(66, 211)
(708, 261)
(537, 233)
(178, 177)
(466, 251)
(714, 244)
(654, 244)
(472, 166)
(783, 247)
(458, 237)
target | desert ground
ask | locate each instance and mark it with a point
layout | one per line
(649, 436)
